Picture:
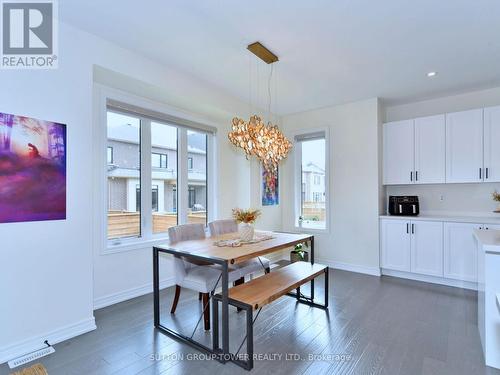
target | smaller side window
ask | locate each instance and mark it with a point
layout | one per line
(110, 155)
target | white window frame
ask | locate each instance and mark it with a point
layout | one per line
(298, 180)
(102, 95)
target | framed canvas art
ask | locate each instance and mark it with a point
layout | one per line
(32, 169)
(270, 187)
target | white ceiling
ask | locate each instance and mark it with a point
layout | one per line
(331, 51)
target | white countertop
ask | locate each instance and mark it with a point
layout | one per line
(489, 239)
(448, 217)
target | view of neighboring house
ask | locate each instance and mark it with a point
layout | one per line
(123, 159)
(313, 183)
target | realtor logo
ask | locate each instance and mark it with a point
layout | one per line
(29, 38)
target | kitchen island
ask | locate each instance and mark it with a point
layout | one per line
(488, 246)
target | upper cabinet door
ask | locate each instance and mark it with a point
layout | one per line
(464, 146)
(398, 152)
(491, 144)
(430, 150)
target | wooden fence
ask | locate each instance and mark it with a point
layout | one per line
(314, 211)
(127, 224)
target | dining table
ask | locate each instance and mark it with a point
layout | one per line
(225, 251)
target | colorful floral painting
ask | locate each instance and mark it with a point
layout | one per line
(270, 188)
(32, 169)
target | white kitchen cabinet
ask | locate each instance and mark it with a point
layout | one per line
(460, 251)
(395, 240)
(398, 152)
(430, 150)
(491, 142)
(464, 146)
(491, 227)
(427, 247)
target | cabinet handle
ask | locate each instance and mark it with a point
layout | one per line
(411, 176)
(480, 173)
(416, 175)
(413, 229)
(487, 173)
(407, 228)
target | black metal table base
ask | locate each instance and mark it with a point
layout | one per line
(189, 341)
(217, 352)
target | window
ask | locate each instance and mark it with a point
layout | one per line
(311, 174)
(191, 197)
(110, 155)
(154, 198)
(197, 178)
(164, 138)
(124, 176)
(140, 186)
(316, 197)
(174, 198)
(158, 160)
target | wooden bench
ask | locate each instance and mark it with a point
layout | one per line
(263, 290)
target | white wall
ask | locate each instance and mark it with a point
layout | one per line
(50, 275)
(461, 199)
(353, 239)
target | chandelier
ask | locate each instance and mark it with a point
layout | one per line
(266, 142)
(263, 141)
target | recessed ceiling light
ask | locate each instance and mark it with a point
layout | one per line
(432, 74)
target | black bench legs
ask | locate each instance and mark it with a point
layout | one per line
(243, 360)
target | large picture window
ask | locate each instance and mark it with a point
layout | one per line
(312, 186)
(145, 174)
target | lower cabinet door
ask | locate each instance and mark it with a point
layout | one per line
(460, 251)
(396, 245)
(427, 248)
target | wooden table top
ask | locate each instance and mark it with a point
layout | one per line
(207, 248)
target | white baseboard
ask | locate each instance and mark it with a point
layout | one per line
(373, 271)
(34, 343)
(125, 295)
(431, 279)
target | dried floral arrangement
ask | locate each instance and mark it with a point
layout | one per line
(496, 196)
(245, 216)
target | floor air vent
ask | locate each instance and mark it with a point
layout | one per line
(19, 361)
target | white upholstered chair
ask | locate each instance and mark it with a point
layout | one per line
(196, 276)
(219, 227)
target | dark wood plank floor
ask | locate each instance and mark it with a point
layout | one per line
(374, 326)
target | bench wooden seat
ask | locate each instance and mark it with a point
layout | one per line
(265, 289)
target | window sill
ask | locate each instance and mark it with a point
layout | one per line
(133, 245)
(312, 230)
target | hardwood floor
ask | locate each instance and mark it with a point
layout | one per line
(373, 326)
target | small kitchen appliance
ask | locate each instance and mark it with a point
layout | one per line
(404, 205)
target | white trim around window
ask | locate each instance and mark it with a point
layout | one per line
(304, 135)
(103, 96)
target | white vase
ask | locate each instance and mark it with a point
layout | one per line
(246, 232)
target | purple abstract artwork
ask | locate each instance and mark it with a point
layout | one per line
(32, 169)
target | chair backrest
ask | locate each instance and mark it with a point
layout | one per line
(181, 233)
(186, 232)
(219, 227)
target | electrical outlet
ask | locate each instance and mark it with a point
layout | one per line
(441, 198)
